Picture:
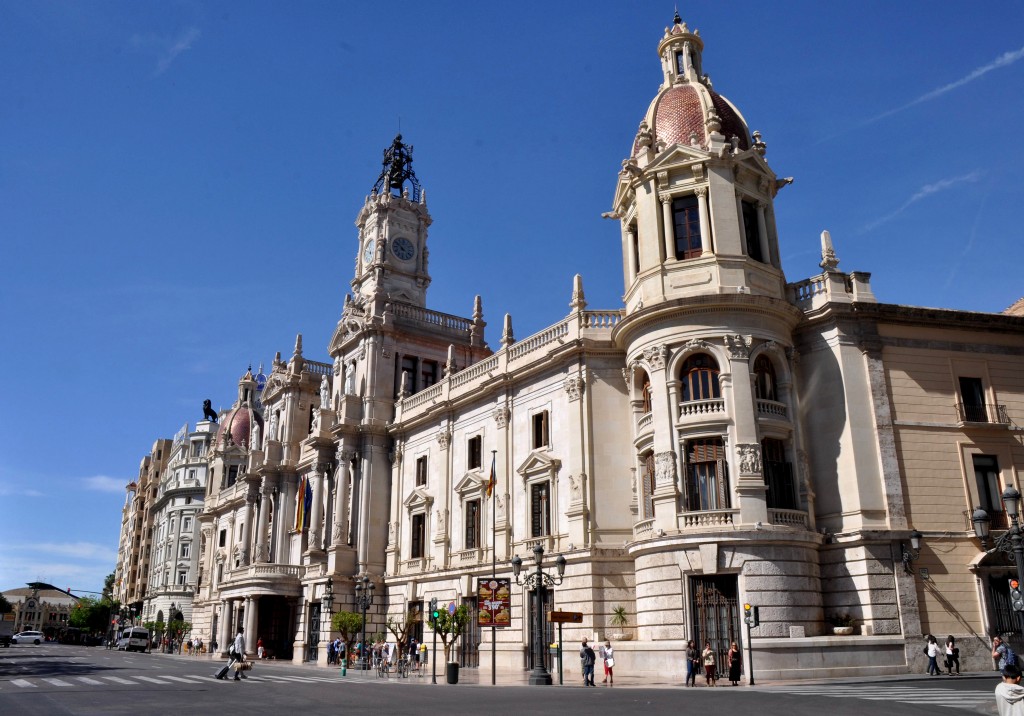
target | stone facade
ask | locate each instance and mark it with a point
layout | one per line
(724, 437)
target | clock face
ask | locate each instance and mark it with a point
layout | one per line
(403, 248)
(368, 252)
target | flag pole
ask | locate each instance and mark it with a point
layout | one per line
(494, 564)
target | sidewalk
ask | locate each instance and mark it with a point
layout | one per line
(573, 679)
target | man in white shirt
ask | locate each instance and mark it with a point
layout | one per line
(238, 654)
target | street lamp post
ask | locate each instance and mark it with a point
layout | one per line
(539, 581)
(1011, 501)
(326, 604)
(364, 598)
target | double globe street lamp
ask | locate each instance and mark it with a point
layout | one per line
(1012, 541)
(364, 598)
(538, 581)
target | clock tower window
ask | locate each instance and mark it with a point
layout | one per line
(751, 232)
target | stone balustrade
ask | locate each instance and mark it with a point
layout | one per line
(788, 518)
(707, 518)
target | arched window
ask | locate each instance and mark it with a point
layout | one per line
(699, 377)
(764, 379)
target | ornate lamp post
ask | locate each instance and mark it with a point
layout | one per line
(539, 581)
(982, 526)
(364, 598)
(912, 554)
(326, 605)
(1011, 540)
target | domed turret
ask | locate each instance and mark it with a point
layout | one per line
(238, 422)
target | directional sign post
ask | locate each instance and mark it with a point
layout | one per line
(561, 618)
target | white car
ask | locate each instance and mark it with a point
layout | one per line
(28, 637)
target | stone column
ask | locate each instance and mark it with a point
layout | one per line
(344, 459)
(668, 227)
(224, 638)
(263, 522)
(705, 225)
(762, 234)
(250, 502)
(314, 536)
(629, 252)
(749, 487)
(666, 488)
(251, 620)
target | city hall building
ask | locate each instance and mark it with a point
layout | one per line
(725, 436)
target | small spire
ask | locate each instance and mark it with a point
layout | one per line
(507, 338)
(449, 366)
(298, 344)
(478, 308)
(578, 302)
(676, 19)
(829, 262)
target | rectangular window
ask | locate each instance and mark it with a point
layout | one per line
(473, 524)
(419, 535)
(972, 393)
(986, 479)
(232, 475)
(223, 540)
(407, 371)
(186, 525)
(540, 430)
(186, 551)
(197, 449)
(778, 476)
(421, 471)
(181, 578)
(428, 373)
(707, 481)
(540, 511)
(474, 452)
(751, 232)
(686, 221)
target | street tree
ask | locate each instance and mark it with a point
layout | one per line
(449, 627)
(402, 628)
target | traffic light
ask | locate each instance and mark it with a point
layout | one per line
(750, 615)
(434, 614)
(1016, 600)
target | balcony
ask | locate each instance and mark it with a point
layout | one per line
(707, 518)
(982, 414)
(643, 529)
(788, 518)
(644, 423)
(772, 409)
(693, 412)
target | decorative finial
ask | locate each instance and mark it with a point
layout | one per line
(578, 302)
(676, 19)
(298, 344)
(507, 338)
(829, 262)
(449, 366)
(478, 308)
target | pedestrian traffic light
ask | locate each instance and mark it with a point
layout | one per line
(1016, 599)
(434, 614)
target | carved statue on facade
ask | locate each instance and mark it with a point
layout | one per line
(350, 378)
(325, 393)
(665, 468)
(750, 458)
(272, 429)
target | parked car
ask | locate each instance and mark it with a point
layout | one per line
(28, 637)
(133, 639)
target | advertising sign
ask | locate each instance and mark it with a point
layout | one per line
(494, 599)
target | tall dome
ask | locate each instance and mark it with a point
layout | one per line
(686, 109)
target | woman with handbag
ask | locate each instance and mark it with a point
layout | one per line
(952, 656)
(608, 657)
(735, 659)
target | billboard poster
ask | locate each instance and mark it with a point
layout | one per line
(494, 601)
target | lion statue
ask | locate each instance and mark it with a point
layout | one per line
(208, 412)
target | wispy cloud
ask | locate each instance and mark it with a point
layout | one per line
(923, 193)
(1004, 60)
(11, 491)
(166, 49)
(79, 565)
(104, 483)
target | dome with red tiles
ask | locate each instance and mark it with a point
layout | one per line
(237, 423)
(686, 108)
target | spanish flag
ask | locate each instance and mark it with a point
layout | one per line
(493, 479)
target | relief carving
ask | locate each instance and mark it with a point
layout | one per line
(501, 415)
(444, 438)
(656, 356)
(739, 347)
(574, 386)
(665, 468)
(750, 458)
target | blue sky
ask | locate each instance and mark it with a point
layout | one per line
(179, 181)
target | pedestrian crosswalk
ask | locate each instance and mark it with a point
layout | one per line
(925, 696)
(145, 680)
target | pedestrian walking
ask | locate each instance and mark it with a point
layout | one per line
(932, 650)
(999, 652)
(692, 663)
(708, 658)
(588, 657)
(735, 659)
(608, 659)
(1009, 693)
(952, 656)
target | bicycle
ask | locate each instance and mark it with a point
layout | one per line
(403, 668)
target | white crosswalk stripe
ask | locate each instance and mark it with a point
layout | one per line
(179, 678)
(119, 680)
(23, 683)
(87, 680)
(56, 682)
(904, 694)
(150, 679)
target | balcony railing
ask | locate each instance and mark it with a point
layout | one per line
(643, 529)
(788, 518)
(644, 422)
(982, 413)
(707, 518)
(698, 408)
(772, 407)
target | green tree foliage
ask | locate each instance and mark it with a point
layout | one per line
(5, 606)
(450, 626)
(90, 615)
(348, 625)
(108, 589)
(401, 628)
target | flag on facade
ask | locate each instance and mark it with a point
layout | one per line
(493, 479)
(303, 505)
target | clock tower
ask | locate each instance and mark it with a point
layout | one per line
(392, 261)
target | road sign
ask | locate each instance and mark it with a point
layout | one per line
(565, 617)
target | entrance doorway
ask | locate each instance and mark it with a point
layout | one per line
(313, 636)
(714, 604)
(469, 642)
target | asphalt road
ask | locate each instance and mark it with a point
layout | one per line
(52, 679)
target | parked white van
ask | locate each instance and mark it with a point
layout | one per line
(133, 639)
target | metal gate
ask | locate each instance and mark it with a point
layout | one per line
(313, 637)
(716, 615)
(469, 642)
